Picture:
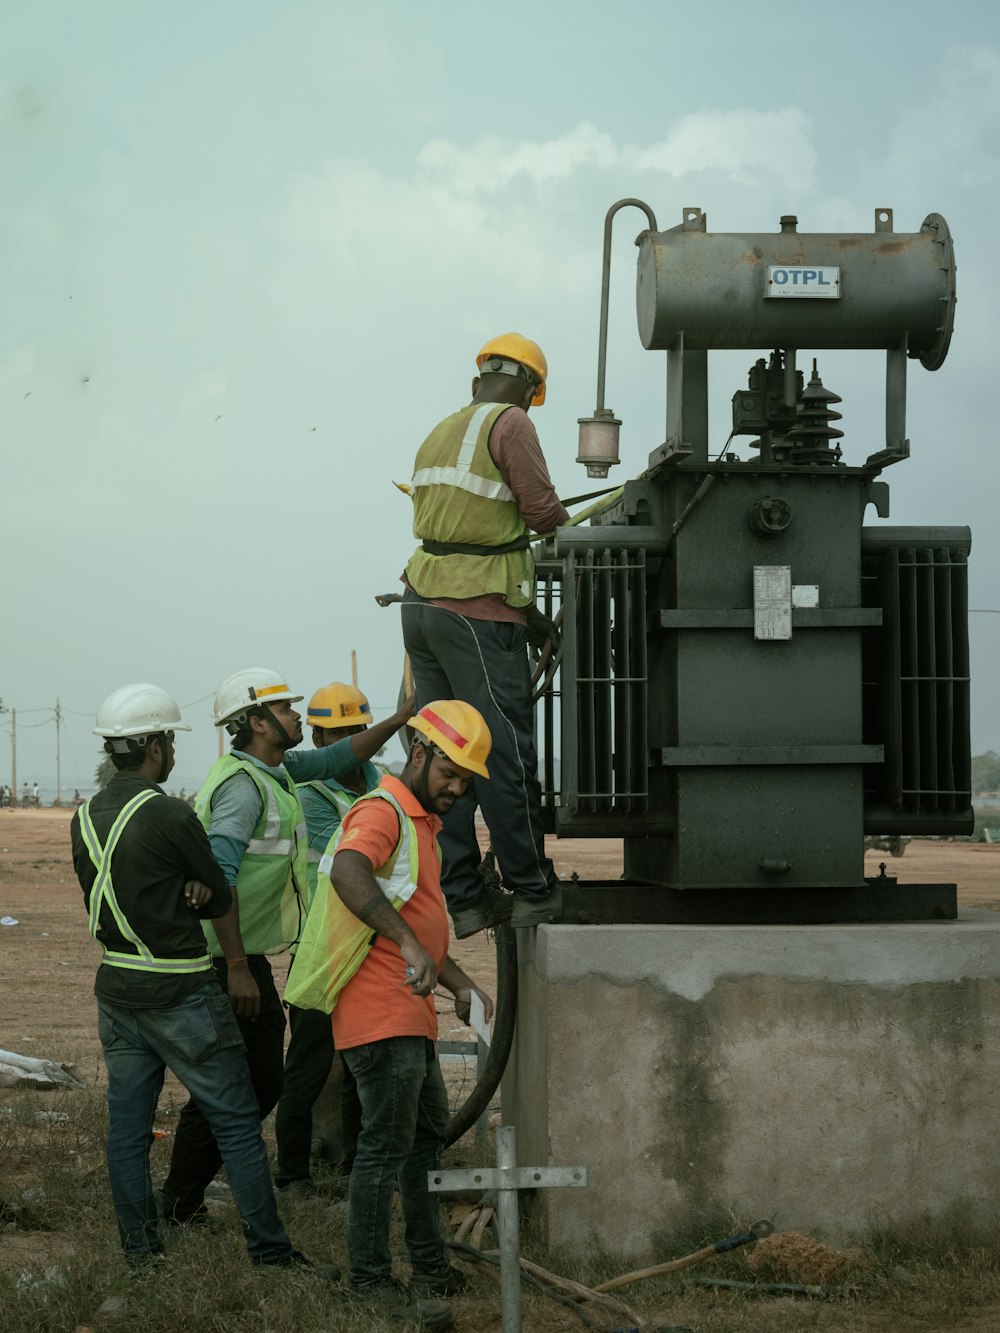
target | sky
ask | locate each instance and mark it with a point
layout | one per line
(251, 250)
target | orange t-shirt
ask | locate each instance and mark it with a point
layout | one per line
(377, 1003)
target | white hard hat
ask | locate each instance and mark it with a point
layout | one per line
(244, 690)
(138, 711)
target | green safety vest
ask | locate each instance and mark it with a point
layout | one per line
(460, 497)
(334, 942)
(273, 876)
(103, 895)
(342, 802)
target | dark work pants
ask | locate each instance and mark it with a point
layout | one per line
(404, 1119)
(196, 1158)
(484, 663)
(307, 1067)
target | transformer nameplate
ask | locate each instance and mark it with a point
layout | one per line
(772, 601)
(822, 281)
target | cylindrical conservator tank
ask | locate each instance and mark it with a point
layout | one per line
(797, 289)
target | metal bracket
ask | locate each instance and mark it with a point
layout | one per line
(507, 1178)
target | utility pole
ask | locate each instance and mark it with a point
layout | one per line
(58, 756)
(354, 667)
(13, 755)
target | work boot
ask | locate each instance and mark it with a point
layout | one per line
(392, 1300)
(492, 909)
(298, 1190)
(172, 1216)
(296, 1259)
(529, 912)
(440, 1282)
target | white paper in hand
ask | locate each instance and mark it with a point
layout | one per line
(477, 1018)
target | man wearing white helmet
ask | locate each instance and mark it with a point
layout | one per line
(335, 711)
(480, 487)
(250, 807)
(148, 875)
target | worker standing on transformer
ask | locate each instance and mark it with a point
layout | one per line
(385, 869)
(148, 875)
(480, 484)
(250, 806)
(335, 712)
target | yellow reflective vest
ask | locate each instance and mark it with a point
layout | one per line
(273, 875)
(460, 498)
(334, 942)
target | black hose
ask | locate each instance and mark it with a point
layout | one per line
(504, 1021)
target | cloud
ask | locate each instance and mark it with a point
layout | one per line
(739, 144)
(953, 134)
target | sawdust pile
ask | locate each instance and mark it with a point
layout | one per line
(792, 1256)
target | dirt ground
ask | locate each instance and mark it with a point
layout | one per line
(48, 960)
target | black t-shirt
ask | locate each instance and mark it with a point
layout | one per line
(162, 847)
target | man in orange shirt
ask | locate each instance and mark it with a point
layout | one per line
(384, 1022)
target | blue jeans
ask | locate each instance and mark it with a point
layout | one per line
(198, 1040)
(196, 1155)
(404, 1117)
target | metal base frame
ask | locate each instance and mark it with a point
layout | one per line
(620, 902)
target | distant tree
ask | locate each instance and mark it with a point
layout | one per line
(986, 771)
(104, 772)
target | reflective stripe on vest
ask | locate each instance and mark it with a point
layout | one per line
(461, 499)
(398, 877)
(103, 893)
(272, 881)
(460, 474)
(271, 843)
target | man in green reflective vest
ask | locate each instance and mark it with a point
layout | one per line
(148, 875)
(335, 712)
(480, 485)
(250, 807)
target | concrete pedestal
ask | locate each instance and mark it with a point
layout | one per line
(831, 1078)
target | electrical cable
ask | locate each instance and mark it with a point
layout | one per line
(504, 1021)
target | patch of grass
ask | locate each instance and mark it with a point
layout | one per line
(60, 1261)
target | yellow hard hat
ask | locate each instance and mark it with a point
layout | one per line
(458, 730)
(337, 705)
(515, 347)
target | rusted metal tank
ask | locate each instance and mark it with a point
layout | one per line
(797, 289)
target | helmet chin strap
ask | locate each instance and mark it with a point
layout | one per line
(164, 757)
(288, 740)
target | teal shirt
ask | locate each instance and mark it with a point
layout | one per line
(322, 817)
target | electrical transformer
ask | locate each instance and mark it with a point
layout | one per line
(756, 671)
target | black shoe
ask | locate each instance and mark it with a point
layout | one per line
(440, 1282)
(298, 1190)
(171, 1216)
(297, 1260)
(531, 912)
(392, 1300)
(493, 909)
